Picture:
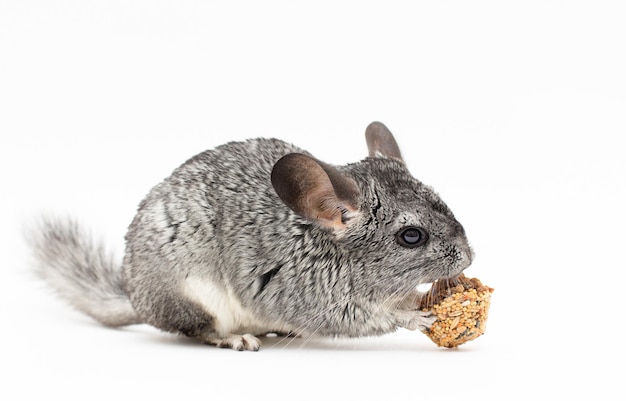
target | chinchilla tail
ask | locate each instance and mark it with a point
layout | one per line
(80, 271)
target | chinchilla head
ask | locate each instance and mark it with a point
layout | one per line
(394, 231)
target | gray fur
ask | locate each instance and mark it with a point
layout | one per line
(214, 253)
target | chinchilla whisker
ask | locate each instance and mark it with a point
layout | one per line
(390, 302)
(311, 335)
(303, 328)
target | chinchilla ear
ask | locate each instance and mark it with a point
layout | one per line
(315, 190)
(380, 141)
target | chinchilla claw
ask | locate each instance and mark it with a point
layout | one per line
(416, 320)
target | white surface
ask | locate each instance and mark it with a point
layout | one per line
(514, 111)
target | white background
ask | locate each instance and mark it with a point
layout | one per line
(513, 111)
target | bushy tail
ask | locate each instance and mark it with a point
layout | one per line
(81, 272)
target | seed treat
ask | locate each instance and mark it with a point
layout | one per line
(461, 306)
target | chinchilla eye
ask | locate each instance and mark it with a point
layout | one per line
(411, 237)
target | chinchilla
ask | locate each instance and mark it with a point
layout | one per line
(260, 237)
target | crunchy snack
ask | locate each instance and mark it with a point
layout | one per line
(461, 306)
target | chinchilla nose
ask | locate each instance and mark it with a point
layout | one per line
(458, 230)
(466, 254)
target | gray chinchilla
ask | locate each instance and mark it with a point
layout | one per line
(260, 237)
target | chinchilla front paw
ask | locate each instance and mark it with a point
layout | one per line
(415, 319)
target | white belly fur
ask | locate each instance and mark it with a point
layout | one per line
(230, 316)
